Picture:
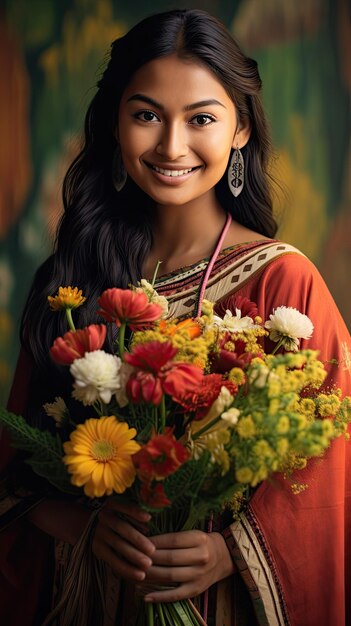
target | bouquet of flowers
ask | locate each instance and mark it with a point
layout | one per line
(187, 417)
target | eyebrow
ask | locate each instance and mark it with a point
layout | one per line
(188, 107)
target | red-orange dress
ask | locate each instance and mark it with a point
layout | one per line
(293, 551)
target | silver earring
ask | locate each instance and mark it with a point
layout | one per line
(119, 174)
(236, 171)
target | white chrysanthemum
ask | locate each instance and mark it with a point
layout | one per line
(287, 325)
(153, 296)
(234, 323)
(97, 377)
(57, 410)
(222, 402)
(259, 376)
(231, 416)
(125, 373)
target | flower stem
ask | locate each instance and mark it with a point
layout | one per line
(150, 614)
(163, 413)
(161, 614)
(121, 336)
(70, 319)
(279, 344)
(205, 428)
(155, 273)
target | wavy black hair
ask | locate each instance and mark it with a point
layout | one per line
(104, 236)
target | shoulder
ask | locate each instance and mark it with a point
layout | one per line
(288, 263)
(285, 276)
(274, 265)
(291, 279)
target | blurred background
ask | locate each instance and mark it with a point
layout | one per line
(51, 55)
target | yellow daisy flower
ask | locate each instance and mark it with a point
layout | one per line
(244, 474)
(283, 425)
(67, 298)
(246, 428)
(99, 456)
(237, 376)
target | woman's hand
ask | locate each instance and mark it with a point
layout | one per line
(62, 519)
(120, 540)
(191, 560)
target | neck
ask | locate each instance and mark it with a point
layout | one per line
(187, 230)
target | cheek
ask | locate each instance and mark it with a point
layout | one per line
(135, 141)
(216, 145)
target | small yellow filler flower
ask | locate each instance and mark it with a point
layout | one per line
(67, 298)
(99, 456)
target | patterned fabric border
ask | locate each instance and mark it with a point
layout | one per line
(229, 274)
(255, 571)
(260, 538)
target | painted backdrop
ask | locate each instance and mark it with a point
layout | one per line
(51, 55)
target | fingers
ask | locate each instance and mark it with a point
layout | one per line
(171, 576)
(134, 550)
(185, 539)
(189, 571)
(121, 567)
(112, 518)
(182, 592)
(122, 530)
(182, 556)
(120, 544)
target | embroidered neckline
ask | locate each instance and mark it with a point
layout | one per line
(193, 268)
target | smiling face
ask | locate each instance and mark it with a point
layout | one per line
(176, 127)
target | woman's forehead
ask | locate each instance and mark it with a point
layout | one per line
(171, 76)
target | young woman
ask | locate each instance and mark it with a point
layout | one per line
(174, 168)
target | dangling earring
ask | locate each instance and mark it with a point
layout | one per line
(119, 174)
(236, 172)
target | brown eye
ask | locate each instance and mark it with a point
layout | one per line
(146, 116)
(202, 120)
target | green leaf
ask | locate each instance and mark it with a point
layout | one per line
(183, 486)
(44, 448)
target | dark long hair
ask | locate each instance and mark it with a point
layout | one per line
(104, 236)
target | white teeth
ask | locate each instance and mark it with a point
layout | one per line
(171, 172)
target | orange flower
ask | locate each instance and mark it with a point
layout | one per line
(67, 298)
(170, 329)
(99, 456)
(74, 344)
(160, 457)
(157, 373)
(124, 306)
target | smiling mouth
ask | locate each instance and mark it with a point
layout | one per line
(172, 173)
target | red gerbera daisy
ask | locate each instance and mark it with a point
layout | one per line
(75, 343)
(124, 306)
(156, 373)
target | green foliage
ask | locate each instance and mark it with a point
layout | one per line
(186, 482)
(44, 449)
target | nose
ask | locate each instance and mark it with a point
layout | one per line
(172, 142)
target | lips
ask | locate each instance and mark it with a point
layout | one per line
(172, 173)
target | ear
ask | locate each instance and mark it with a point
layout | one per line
(242, 133)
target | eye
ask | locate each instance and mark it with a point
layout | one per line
(202, 119)
(146, 116)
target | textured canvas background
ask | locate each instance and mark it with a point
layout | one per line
(51, 55)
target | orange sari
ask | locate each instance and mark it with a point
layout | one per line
(292, 551)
